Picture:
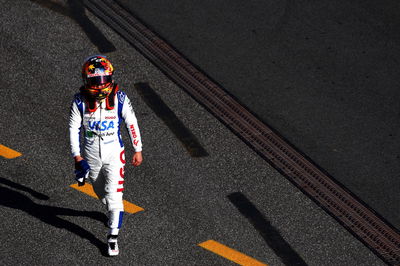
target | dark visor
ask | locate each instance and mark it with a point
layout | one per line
(100, 80)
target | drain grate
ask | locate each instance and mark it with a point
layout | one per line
(374, 232)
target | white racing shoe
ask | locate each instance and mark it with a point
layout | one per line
(112, 245)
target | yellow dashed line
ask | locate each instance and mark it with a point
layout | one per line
(229, 253)
(88, 189)
(8, 153)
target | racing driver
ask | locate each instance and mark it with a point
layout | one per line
(100, 107)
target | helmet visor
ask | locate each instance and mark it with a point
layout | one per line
(98, 92)
(99, 80)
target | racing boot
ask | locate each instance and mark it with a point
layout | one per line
(112, 241)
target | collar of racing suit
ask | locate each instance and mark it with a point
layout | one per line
(91, 103)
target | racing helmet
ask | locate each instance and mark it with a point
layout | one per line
(97, 75)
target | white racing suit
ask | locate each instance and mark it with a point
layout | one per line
(104, 149)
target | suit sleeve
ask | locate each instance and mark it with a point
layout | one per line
(132, 124)
(75, 122)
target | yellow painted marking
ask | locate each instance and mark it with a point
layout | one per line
(8, 153)
(131, 208)
(88, 189)
(229, 253)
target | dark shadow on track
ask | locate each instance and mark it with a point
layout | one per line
(49, 214)
(182, 133)
(23, 188)
(76, 11)
(270, 234)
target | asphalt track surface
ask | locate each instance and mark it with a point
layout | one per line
(324, 74)
(186, 200)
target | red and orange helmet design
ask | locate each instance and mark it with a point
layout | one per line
(97, 75)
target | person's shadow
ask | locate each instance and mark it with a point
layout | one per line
(49, 214)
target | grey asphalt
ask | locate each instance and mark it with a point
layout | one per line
(324, 74)
(186, 200)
